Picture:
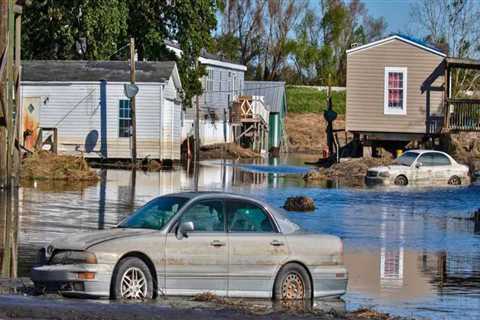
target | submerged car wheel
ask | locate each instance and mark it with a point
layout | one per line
(455, 181)
(293, 283)
(401, 181)
(132, 280)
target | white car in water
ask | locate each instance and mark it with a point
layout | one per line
(425, 167)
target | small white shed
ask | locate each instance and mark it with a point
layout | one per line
(86, 103)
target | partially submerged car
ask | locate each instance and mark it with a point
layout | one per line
(425, 167)
(191, 243)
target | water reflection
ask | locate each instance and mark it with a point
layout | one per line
(409, 252)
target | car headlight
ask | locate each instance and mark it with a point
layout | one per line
(73, 257)
(384, 174)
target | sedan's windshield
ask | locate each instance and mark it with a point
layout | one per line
(155, 214)
(406, 159)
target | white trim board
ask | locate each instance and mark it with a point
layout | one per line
(391, 38)
(211, 62)
(386, 109)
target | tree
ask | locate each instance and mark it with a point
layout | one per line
(89, 30)
(454, 25)
(97, 29)
(190, 23)
(281, 17)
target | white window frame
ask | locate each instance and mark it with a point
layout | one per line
(389, 110)
(209, 80)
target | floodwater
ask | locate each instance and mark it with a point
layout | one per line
(409, 251)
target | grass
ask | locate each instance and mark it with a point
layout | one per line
(301, 99)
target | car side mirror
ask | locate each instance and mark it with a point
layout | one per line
(184, 228)
(418, 165)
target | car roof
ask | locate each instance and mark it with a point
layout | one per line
(284, 223)
(421, 151)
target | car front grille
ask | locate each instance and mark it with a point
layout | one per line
(372, 174)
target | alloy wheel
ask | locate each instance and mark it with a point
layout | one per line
(133, 284)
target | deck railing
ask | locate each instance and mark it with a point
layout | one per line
(463, 114)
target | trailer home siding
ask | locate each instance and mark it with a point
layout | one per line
(366, 87)
(78, 109)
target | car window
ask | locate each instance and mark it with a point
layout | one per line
(247, 217)
(426, 159)
(440, 160)
(406, 159)
(206, 215)
(155, 214)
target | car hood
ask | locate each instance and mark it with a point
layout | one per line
(82, 241)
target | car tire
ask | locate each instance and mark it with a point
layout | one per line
(401, 181)
(132, 280)
(292, 283)
(454, 181)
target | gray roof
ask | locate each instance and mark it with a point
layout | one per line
(114, 71)
(272, 91)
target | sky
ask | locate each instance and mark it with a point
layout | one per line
(396, 13)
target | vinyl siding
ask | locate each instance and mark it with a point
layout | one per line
(215, 98)
(148, 108)
(365, 88)
(74, 109)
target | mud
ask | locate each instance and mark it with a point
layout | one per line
(306, 132)
(349, 172)
(226, 151)
(464, 147)
(26, 307)
(45, 165)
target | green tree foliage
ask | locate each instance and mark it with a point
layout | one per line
(77, 29)
(293, 39)
(98, 29)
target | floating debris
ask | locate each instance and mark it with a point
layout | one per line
(226, 151)
(299, 204)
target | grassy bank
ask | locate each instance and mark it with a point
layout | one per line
(301, 99)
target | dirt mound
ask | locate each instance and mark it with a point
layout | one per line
(49, 166)
(306, 132)
(464, 147)
(299, 204)
(349, 172)
(226, 151)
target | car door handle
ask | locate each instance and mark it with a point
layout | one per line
(276, 243)
(217, 243)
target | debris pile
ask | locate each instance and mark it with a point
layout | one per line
(45, 165)
(465, 148)
(226, 151)
(349, 172)
(299, 204)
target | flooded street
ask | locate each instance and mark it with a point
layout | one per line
(409, 252)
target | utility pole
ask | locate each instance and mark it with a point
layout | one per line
(197, 129)
(132, 103)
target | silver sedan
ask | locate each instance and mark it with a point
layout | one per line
(191, 243)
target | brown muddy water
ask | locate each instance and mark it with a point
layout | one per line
(410, 251)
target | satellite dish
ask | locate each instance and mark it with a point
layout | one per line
(91, 141)
(131, 89)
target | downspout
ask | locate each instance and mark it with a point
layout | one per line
(103, 119)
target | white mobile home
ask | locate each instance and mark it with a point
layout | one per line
(222, 84)
(84, 101)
